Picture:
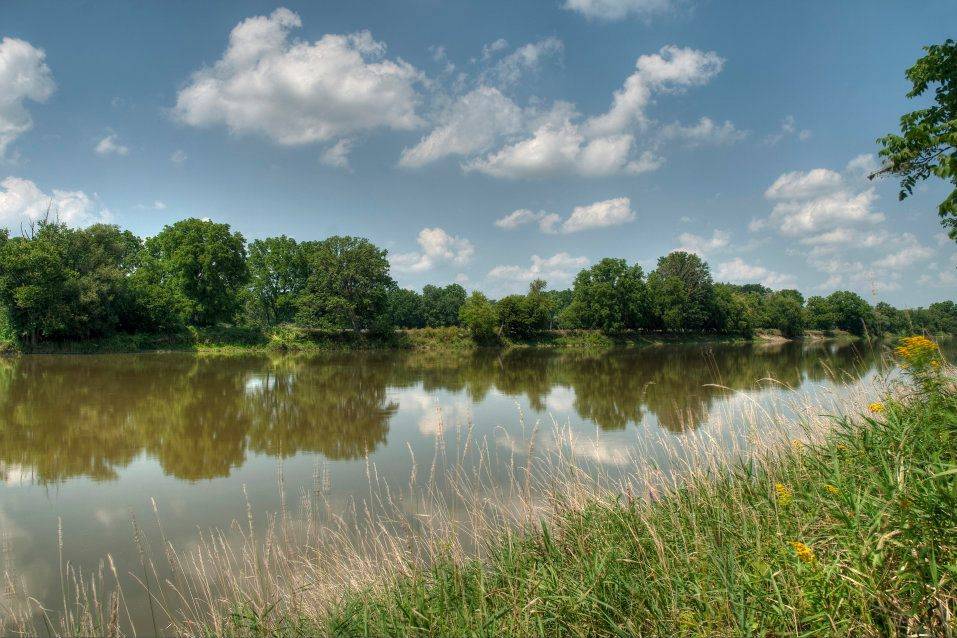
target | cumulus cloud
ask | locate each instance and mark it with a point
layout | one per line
(617, 9)
(706, 131)
(295, 92)
(672, 68)
(738, 271)
(501, 139)
(802, 185)
(437, 247)
(110, 145)
(22, 201)
(610, 212)
(691, 243)
(559, 268)
(862, 165)
(820, 202)
(911, 251)
(473, 122)
(546, 221)
(23, 76)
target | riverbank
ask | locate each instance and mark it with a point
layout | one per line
(852, 535)
(248, 340)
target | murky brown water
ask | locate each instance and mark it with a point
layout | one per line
(89, 440)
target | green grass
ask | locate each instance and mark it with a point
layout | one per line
(875, 504)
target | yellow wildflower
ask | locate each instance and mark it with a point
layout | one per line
(876, 408)
(830, 489)
(918, 352)
(842, 447)
(805, 553)
(785, 494)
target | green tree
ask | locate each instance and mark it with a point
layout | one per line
(521, 316)
(820, 314)
(851, 312)
(348, 285)
(480, 316)
(784, 311)
(733, 311)
(440, 306)
(927, 144)
(406, 308)
(277, 277)
(681, 292)
(196, 267)
(610, 296)
(61, 282)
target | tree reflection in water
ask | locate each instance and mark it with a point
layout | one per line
(63, 417)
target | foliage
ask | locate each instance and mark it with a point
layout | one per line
(440, 306)
(347, 286)
(521, 316)
(278, 272)
(764, 549)
(784, 311)
(610, 296)
(820, 314)
(927, 144)
(681, 292)
(850, 311)
(196, 267)
(59, 282)
(733, 311)
(406, 308)
(480, 316)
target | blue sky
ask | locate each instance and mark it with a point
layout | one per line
(488, 143)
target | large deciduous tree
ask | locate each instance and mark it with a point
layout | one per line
(278, 272)
(927, 144)
(681, 291)
(348, 285)
(610, 296)
(195, 267)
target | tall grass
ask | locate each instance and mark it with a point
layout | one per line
(780, 519)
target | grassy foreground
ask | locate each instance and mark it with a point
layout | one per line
(854, 536)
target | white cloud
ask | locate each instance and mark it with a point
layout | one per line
(672, 68)
(788, 128)
(559, 268)
(546, 221)
(337, 155)
(437, 247)
(795, 218)
(22, 201)
(706, 131)
(23, 76)
(472, 123)
(738, 271)
(492, 48)
(617, 9)
(178, 156)
(296, 92)
(703, 246)
(527, 58)
(611, 212)
(911, 251)
(862, 165)
(563, 150)
(110, 145)
(801, 185)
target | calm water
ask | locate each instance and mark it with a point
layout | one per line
(89, 439)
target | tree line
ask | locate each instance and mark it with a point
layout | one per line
(63, 283)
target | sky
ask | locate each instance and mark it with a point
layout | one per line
(488, 143)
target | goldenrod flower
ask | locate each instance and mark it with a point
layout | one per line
(805, 553)
(830, 489)
(876, 407)
(918, 352)
(785, 494)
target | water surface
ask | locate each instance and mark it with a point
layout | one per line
(89, 440)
